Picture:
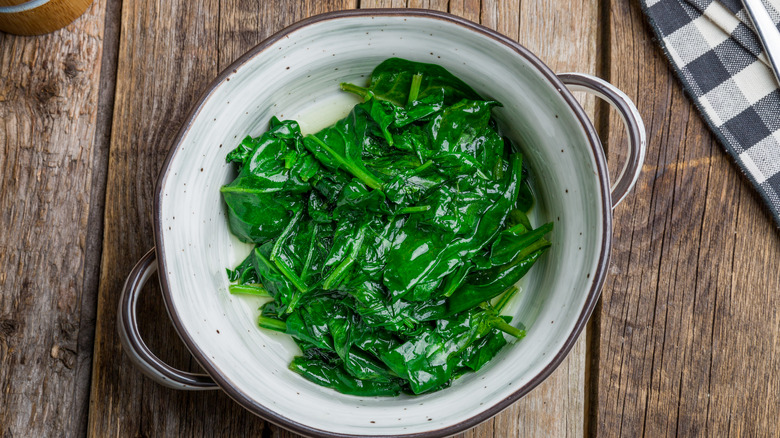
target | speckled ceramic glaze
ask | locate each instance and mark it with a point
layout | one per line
(295, 75)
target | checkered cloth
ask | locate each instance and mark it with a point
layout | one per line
(721, 63)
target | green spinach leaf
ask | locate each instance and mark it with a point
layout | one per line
(390, 242)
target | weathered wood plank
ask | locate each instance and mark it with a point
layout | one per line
(49, 110)
(468, 9)
(168, 53)
(688, 324)
(437, 5)
(94, 238)
(382, 4)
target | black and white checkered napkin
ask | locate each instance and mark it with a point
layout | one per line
(720, 61)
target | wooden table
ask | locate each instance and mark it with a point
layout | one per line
(686, 338)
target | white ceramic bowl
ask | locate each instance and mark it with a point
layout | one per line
(295, 75)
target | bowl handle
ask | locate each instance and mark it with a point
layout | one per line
(631, 118)
(134, 345)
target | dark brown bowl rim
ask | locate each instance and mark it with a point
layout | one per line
(598, 276)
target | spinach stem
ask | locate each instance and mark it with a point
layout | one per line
(287, 272)
(336, 274)
(504, 300)
(302, 279)
(265, 260)
(530, 249)
(272, 324)
(423, 166)
(516, 176)
(482, 175)
(352, 88)
(415, 209)
(248, 289)
(286, 232)
(508, 329)
(339, 271)
(518, 227)
(414, 91)
(456, 279)
(363, 175)
(310, 253)
(238, 189)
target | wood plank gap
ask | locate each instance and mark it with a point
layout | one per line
(593, 338)
(592, 345)
(728, 429)
(603, 70)
(94, 238)
(219, 32)
(657, 288)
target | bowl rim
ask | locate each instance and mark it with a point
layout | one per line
(598, 276)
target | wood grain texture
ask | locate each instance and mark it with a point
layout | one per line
(48, 114)
(48, 17)
(168, 52)
(366, 4)
(688, 324)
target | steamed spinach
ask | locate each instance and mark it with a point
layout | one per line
(385, 239)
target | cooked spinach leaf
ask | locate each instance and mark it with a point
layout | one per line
(389, 242)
